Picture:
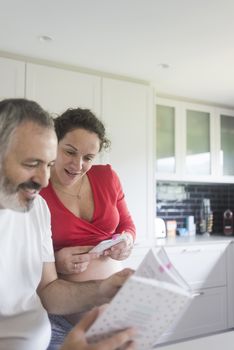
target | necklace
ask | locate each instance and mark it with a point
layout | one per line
(78, 196)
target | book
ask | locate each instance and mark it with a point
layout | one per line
(150, 301)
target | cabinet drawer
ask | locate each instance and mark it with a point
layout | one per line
(207, 313)
(201, 266)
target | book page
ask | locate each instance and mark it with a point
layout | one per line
(157, 265)
(162, 255)
(147, 305)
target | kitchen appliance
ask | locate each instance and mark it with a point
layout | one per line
(160, 228)
(228, 222)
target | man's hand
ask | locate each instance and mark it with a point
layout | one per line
(76, 339)
(109, 287)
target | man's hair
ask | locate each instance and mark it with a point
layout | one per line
(15, 111)
(78, 118)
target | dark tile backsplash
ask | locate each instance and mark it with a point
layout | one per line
(175, 201)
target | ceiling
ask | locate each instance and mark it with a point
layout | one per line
(132, 38)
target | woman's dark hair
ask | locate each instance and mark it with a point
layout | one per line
(79, 118)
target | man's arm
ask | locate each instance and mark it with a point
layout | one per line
(62, 297)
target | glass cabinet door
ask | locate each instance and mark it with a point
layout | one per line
(198, 156)
(227, 144)
(165, 139)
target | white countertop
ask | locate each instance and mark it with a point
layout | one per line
(212, 342)
(180, 240)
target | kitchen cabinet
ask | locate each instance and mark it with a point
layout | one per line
(198, 154)
(165, 139)
(226, 121)
(12, 73)
(207, 266)
(204, 267)
(193, 142)
(224, 340)
(57, 89)
(230, 280)
(169, 152)
(127, 111)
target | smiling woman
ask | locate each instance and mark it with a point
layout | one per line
(87, 206)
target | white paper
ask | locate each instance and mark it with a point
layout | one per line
(108, 243)
(150, 301)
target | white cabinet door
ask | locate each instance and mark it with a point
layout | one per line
(230, 285)
(170, 139)
(225, 143)
(202, 266)
(58, 89)
(12, 77)
(127, 110)
(193, 142)
(206, 314)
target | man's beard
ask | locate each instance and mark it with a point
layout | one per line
(9, 194)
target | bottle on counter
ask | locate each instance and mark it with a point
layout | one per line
(171, 228)
(190, 225)
(206, 217)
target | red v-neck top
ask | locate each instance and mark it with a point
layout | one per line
(110, 215)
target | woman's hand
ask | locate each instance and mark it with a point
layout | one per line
(121, 250)
(72, 260)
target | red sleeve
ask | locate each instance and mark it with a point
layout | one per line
(125, 219)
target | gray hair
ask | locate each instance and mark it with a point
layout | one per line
(15, 111)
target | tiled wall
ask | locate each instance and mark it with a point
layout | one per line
(175, 201)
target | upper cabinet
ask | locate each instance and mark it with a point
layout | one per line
(226, 143)
(165, 139)
(198, 154)
(194, 142)
(127, 111)
(12, 74)
(57, 89)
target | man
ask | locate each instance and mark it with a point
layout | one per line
(28, 147)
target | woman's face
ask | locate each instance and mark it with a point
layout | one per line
(76, 152)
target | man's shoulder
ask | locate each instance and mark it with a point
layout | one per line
(40, 204)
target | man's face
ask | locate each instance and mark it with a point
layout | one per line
(25, 167)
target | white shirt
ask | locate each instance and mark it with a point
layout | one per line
(25, 243)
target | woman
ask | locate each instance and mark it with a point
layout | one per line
(87, 206)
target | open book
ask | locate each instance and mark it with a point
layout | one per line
(150, 301)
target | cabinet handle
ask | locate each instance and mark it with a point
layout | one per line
(190, 251)
(197, 294)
